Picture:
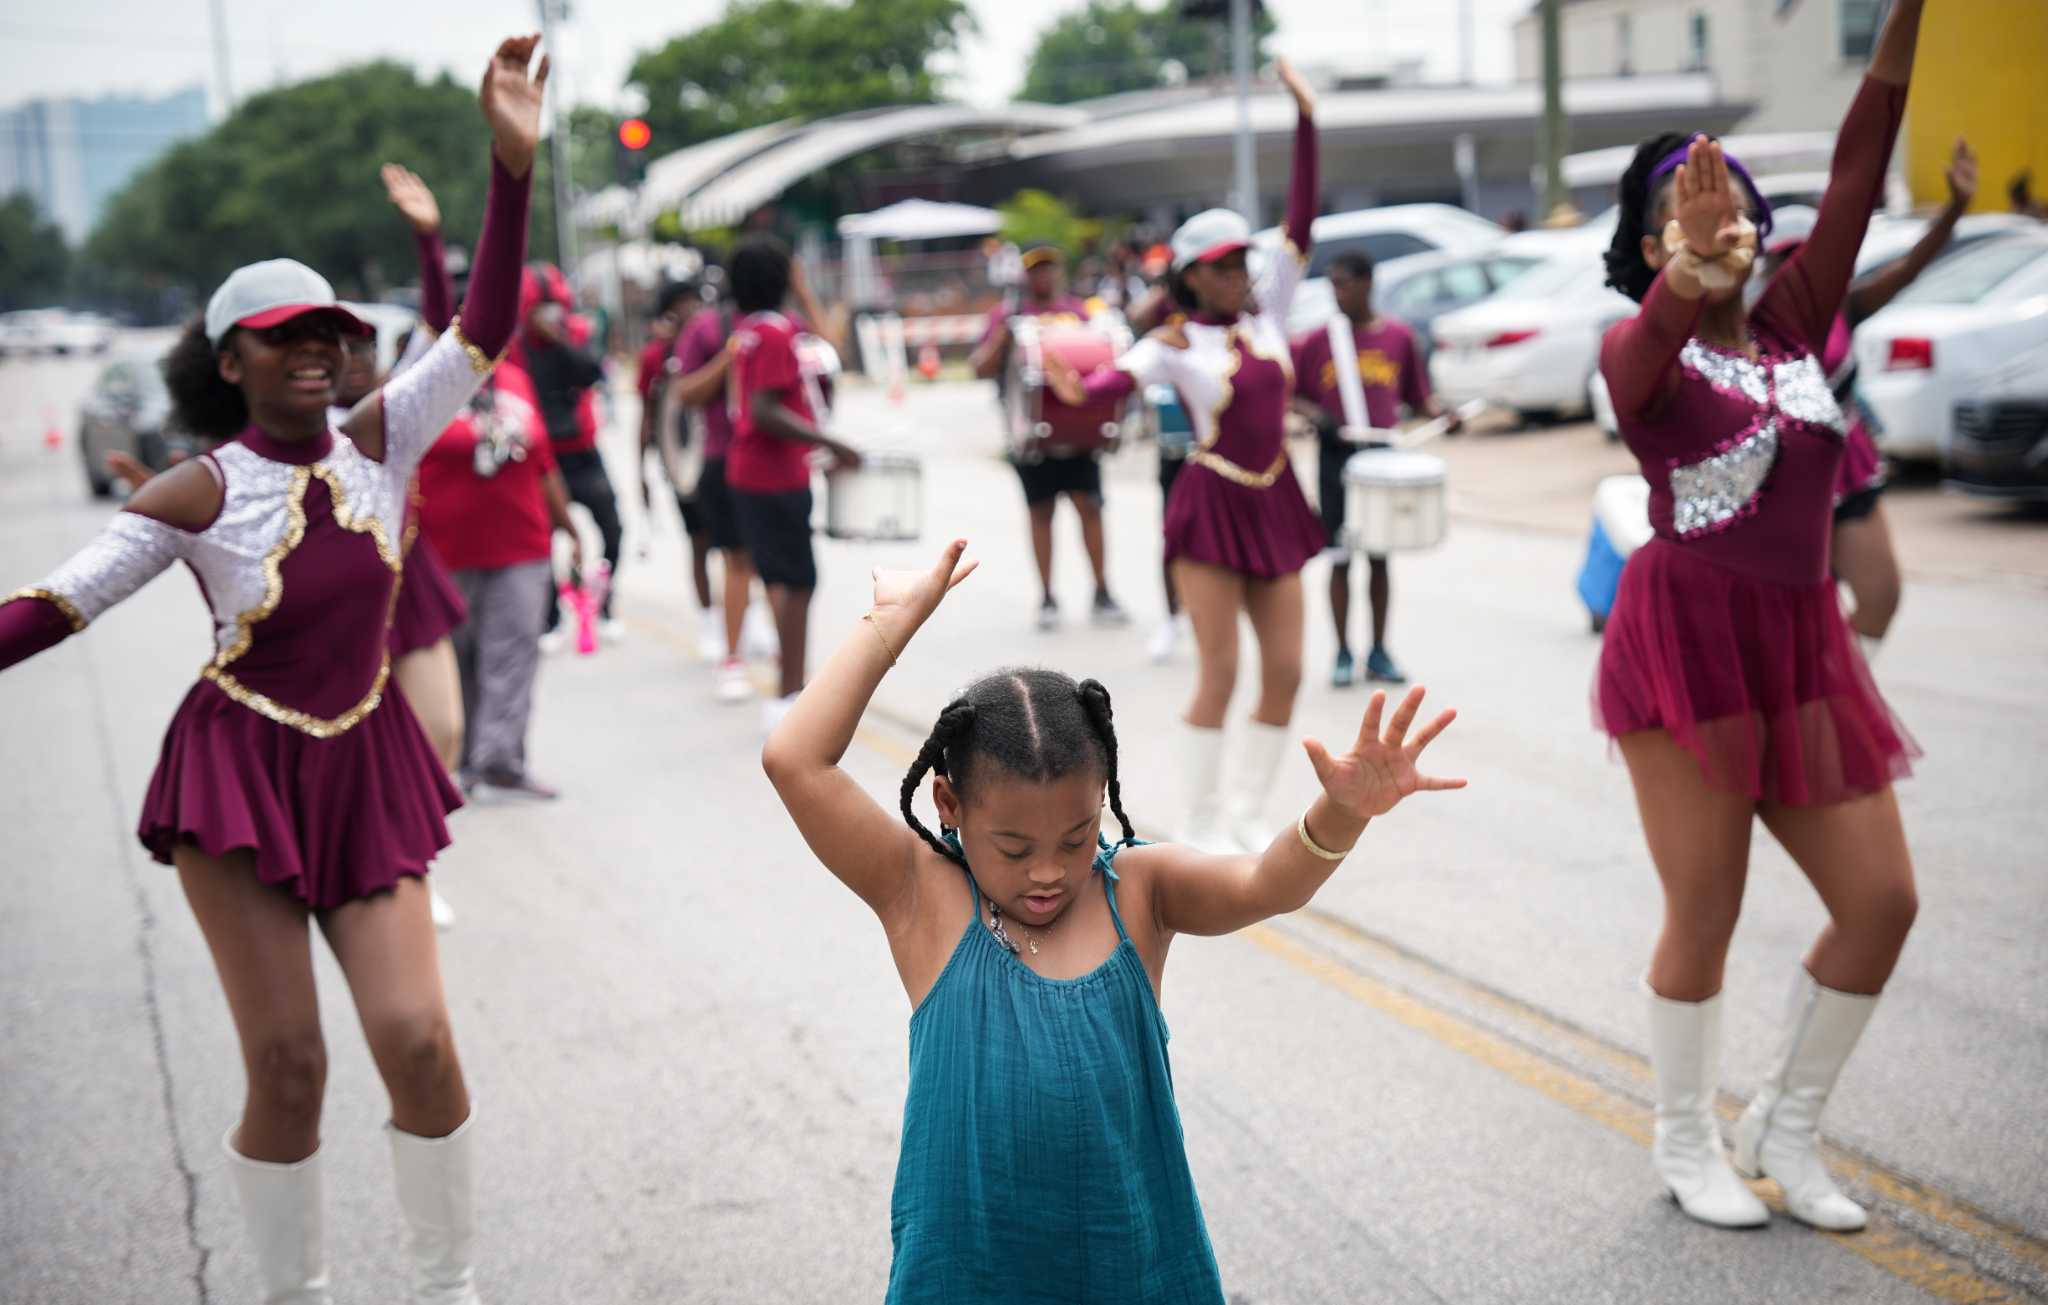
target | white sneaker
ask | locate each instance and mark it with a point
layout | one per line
(733, 682)
(773, 710)
(1165, 641)
(553, 641)
(444, 914)
(612, 630)
(711, 635)
(757, 635)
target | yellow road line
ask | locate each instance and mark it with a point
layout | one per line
(1884, 1243)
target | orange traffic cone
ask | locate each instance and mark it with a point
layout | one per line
(928, 361)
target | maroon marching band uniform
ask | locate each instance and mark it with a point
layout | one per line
(1726, 631)
(294, 743)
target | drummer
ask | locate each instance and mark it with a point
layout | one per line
(1391, 369)
(1075, 474)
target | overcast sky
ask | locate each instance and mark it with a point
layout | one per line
(160, 45)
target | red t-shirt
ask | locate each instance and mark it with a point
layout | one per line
(486, 522)
(766, 362)
(702, 340)
(653, 364)
(1388, 363)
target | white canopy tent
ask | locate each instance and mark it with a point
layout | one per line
(908, 220)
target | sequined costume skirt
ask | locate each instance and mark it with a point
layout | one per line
(1761, 681)
(332, 820)
(428, 606)
(1264, 533)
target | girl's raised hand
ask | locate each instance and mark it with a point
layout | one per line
(510, 98)
(907, 598)
(1304, 98)
(1704, 202)
(410, 196)
(1380, 768)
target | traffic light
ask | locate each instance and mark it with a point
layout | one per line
(629, 155)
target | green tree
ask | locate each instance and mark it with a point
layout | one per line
(35, 262)
(1114, 46)
(1034, 217)
(293, 173)
(766, 60)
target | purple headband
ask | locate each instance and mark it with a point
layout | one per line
(1669, 164)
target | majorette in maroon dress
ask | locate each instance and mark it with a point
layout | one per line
(294, 743)
(1238, 504)
(1726, 630)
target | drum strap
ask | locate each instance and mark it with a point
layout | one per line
(1230, 471)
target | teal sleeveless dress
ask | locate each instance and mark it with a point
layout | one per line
(1042, 1159)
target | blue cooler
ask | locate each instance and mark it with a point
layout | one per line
(1621, 525)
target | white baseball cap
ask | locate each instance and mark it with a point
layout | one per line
(275, 290)
(1208, 236)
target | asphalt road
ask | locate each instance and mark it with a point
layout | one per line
(688, 1043)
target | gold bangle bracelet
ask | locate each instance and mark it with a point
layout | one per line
(1301, 829)
(881, 638)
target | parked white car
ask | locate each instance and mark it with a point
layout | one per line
(1535, 346)
(1946, 334)
(54, 330)
(1387, 234)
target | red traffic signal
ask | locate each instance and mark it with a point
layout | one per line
(634, 133)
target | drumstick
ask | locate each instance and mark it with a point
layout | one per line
(1429, 430)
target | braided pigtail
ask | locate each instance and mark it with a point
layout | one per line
(1095, 700)
(952, 727)
(1626, 270)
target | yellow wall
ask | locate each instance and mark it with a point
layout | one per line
(1981, 72)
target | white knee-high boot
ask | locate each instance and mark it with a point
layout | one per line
(281, 1209)
(1685, 1050)
(1201, 752)
(436, 1190)
(1778, 1135)
(1258, 763)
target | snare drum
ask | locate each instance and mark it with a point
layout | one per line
(1039, 423)
(1393, 502)
(880, 501)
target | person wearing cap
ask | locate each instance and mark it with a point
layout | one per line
(1728, 680)
(1073, 474)
(1861, 552)
(1238, 527)
(295, 785)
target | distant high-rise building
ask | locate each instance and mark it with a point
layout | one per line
(73, 154)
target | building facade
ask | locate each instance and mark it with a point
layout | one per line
(72, 155)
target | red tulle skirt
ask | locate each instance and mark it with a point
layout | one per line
(1262, 533)
(330, 819)
(428, 606)
(1761, 681)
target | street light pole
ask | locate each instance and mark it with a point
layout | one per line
(220, 60)
(1247, 164)
(1554, 129)
(552, 13)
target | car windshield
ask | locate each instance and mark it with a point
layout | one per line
(1553, 277)
(1975, 275)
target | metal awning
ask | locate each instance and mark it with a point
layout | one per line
(673, 178)
(921, 219)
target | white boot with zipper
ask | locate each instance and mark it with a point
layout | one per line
(1202, 764)
(1685, 1051)
(281, 1209)
(1258, 764)
(437, 1192)
(1778, 1136)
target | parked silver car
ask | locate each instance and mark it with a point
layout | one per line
(128, 410)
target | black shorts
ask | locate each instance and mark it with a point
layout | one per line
(775, 529)
(1169, 471)
(693, 514)
(1331, 455)
(1858, 505)
(1047, 480)
(712, 506)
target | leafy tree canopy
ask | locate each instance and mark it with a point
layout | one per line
(766, 60)
(34, 260)
(1034, 217)
(1114, 46)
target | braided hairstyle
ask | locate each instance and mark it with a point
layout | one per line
(1626, 270)
(1036, 725)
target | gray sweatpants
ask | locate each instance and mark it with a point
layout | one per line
(497, 653)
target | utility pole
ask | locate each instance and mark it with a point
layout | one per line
(1466, 66)
(1553, 136)
(220, 60)
(552, 14)
(1245, 156)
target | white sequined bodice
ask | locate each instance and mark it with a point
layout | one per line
(1713, 492)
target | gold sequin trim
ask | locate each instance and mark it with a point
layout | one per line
(345, 517)
(304, 722)
(54, 599)
(1230, 471)
(273, 576)
(479, 361)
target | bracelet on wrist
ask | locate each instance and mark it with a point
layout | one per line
(1315, 848)
(880, 638)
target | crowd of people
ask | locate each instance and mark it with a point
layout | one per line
(378, 555)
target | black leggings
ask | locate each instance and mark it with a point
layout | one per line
(583, 472)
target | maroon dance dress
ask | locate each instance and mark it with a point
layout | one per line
(1238, 503)
(1726, 631)
(1862, 469)
(295, 744)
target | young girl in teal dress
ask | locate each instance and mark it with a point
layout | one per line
(1042, 1155)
